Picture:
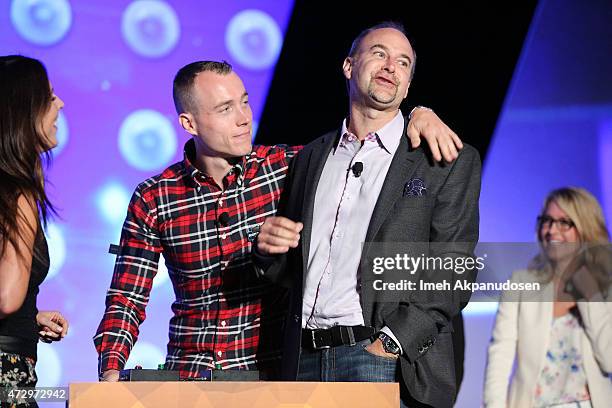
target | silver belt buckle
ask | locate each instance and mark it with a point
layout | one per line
(351, 336)
(314, 342)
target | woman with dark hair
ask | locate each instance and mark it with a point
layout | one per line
(561, 337)
(28, 113)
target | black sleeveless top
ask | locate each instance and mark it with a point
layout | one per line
(22, 324)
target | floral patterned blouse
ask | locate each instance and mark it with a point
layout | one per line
(562, 378)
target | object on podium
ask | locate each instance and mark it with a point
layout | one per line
(206, 394)
(139, 374)
(235, 375)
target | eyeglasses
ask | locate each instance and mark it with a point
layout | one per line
(563, 224)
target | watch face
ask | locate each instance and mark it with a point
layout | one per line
(388, 344)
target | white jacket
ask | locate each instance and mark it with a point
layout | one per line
(522, 330)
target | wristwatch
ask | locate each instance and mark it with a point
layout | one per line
(389, 344)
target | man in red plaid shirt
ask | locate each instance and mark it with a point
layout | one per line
(203, 214)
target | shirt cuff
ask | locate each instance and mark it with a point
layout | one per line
(389, 333)
(108, 361)
(261, 262)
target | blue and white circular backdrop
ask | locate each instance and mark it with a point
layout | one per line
(41, 22)
(254, 39)
(147, 140)
(151, 28)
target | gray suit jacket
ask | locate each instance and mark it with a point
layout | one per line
(448, 212)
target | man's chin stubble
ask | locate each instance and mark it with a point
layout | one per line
(381, 99)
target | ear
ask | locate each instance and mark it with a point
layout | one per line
(347, 67)
(188, 123)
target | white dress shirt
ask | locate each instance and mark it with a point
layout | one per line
(343, 207)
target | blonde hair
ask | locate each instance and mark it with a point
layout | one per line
(584, 211)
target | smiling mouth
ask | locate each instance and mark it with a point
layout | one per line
(245, 134)
(385, 81)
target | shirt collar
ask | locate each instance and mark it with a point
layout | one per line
(388, 137)
(199, 176)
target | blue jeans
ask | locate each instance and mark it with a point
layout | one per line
(347, 364)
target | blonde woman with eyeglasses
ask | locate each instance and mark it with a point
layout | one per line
(560, 342)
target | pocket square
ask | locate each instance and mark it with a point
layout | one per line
(415, 187)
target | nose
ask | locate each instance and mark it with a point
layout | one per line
(552, 231)
(553, 227)
(243, 115)
(60, 103)
(545, 228)
(389, 65)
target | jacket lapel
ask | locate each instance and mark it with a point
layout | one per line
(316, 162)
(401, 170)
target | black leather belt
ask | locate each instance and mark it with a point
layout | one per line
(16, 345)
(320, 339)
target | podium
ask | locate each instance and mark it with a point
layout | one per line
(187, 394)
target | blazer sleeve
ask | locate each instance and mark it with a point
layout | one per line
(454, 227)
(597, 318)
(501, 354)
(274, 267)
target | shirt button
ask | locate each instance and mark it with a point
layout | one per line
(219, 353)
(223, 323)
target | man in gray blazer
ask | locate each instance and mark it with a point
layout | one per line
(364, 183)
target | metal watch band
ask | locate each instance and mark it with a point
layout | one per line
(389, 344)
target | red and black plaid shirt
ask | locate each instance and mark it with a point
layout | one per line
(223, 315)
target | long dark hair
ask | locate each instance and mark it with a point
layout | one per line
(25, 96)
